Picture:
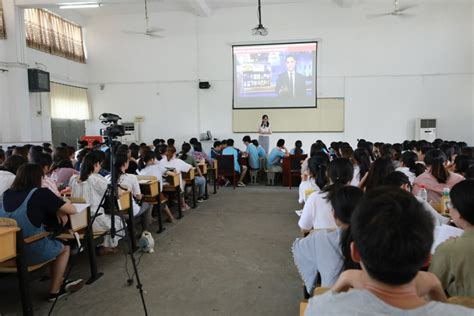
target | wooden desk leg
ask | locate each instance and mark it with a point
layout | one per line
(90, 248)
(214, 174)
(160, 217)
(178, 194)
(22, 272)
(206, 194)
(131, 228)
(193, 188)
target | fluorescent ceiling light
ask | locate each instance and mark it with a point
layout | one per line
(80, 5)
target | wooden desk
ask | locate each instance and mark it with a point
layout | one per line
(173, 186)
(213, 175)
(150, 188)
(190, 179)
(8, 243)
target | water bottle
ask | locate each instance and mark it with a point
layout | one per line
(445, 201)
(423, 194)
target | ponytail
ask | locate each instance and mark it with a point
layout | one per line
(120, 160)
(149, 155)
(340, 172)
(435, 159)
(317, 167)
(185, 148)
(345, 244)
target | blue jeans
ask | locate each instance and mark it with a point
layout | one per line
(201, 184)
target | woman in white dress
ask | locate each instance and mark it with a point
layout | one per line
(91, 186)
(264, 132)
(317, 178)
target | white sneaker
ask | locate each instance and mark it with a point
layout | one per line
(241, 184)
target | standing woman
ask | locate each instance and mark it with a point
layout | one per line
(264, 133)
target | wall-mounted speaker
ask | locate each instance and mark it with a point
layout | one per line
(204, 85)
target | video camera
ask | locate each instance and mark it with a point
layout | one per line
(113, 129)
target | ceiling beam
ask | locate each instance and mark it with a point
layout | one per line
(201, 7)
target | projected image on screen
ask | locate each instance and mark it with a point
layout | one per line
(275, 75)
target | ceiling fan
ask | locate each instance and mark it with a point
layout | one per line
(399, 11)
(149, 31)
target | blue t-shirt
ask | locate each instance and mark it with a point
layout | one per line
(254, 160)
(274, 159)
(292, 152)
(261, 152)
(233, 151)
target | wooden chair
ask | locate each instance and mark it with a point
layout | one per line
(150, 187)
(227, 168)
(12, 258)
(213, 174)
(466, 301)
(125, 204)
(190, 179)
(292, 167)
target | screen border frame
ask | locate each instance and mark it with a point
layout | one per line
(278, 43)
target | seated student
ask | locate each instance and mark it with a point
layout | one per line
(276, 155)
(132, 162)
(193, 141)
(298, 150)
(392, 238)
(327, 252)
(230, 150)
(170, 162)
(199, 155)
(317, 179)
(91, 186)
(409, 165)
(216, 150)
(149, 167)
(45, 162)
(461, 164)
(436, 177)
(252, 153)
(160, 152)
(317, 212)
(170, 142)
(81, 145)
(315, 149)
(199, 178)
(400, 180)
(8, 172)
(453, 260)
(32, 207)
(260, 149)
(129, 182)
(361, 164)
(379, 170)
(33, 152)
(62, 171)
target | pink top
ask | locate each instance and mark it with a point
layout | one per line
(433, 187)
(63, 175)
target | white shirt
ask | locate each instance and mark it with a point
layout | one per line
(355, 178)
(264, 130)
(155, 170)
(411, 176)
(306, 187)
(6, 181)
(177, 164)
(130, 183)
(92, 190)
(317, 213)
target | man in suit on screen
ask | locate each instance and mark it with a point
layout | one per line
(291, 84)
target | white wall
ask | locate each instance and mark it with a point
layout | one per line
(390, 70)
(26, 116)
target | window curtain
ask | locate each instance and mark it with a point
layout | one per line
(69, 102)
(3, 32)
(52, 34)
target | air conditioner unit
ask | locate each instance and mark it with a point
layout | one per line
(131, 134)
(425, 129)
